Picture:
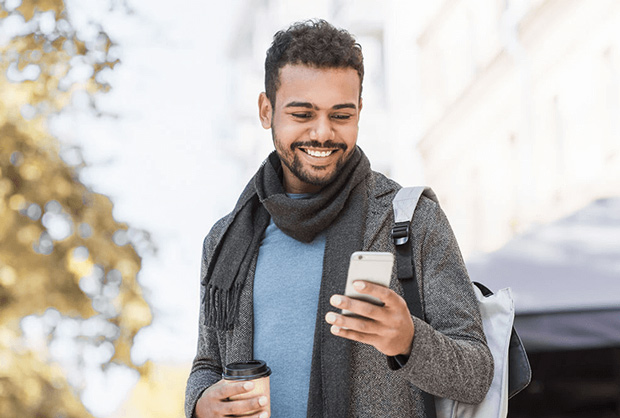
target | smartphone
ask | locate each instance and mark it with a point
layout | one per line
(375, 267)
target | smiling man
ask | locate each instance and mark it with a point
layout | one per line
(274, 269)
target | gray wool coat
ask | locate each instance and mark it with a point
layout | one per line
(449, 355)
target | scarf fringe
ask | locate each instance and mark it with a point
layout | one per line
(221, 307)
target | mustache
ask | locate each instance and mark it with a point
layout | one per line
(329, 144)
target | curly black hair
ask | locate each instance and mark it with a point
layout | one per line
(315, 43)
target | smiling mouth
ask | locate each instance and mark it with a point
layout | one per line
(318, 153)
(318, 149)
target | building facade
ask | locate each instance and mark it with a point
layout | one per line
(521, 113)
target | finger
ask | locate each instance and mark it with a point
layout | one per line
(223, 390)
(353, 335)
(363, 325)
(384, 294)
(254, 405)
(261, 414)
(358, 307)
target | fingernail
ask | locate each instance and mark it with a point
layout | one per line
(330, 317)
(335, 329)
(359, 285)
(262, 401)
(248, 385)
(263, 415)
(336, 300)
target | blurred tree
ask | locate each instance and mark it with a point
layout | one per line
(65, 263)
(162, 395)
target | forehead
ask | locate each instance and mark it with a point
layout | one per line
(323, 87)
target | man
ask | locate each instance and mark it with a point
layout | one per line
(274, 269)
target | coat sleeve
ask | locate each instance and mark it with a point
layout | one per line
(449, 356)
(207, 365)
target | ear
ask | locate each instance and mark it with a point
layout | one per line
(265, 111)
(360, 105)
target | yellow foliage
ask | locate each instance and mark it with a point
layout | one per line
(38, 270)
(80, 268)
(30, 388)
(63, 187)
(17, 202)
(5, 185)
(127, 268)
(160, 395)
(8, 277)
(30, 171)
(28, 8)
(28, 234)
(137, 314)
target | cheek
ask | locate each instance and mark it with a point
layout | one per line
(348, 134)
(289, 132)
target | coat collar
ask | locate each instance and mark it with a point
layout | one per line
(381, 193)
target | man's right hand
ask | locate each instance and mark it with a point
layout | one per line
(215, 403)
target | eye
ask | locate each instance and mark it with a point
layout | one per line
(304, 115)
(341, 116)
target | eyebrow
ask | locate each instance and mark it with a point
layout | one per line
(311, 106)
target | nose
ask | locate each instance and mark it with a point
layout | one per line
(322, 130)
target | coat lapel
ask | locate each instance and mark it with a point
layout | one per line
(379, 208)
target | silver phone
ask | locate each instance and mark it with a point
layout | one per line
(374, 267)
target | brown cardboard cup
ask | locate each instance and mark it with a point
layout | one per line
(254, 370)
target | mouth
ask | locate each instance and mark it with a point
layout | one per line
(318, 153)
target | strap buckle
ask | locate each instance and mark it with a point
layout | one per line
(400, 233)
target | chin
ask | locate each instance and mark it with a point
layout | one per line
(319, 180)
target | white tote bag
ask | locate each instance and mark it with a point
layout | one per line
(498, 314)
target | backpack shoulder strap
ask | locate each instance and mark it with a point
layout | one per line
(406, 200)
(404, 204)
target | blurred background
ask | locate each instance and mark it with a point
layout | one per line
(128, 127)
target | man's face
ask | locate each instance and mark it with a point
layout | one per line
(314, 123)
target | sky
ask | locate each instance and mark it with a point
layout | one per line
(154, 154)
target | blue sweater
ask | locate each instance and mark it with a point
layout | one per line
(286, 291)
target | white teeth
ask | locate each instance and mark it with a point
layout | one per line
(318, 153)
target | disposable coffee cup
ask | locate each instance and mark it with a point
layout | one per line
(254, 370)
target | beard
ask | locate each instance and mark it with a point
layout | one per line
(307, 173)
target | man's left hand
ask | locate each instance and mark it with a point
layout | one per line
(388, 328)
